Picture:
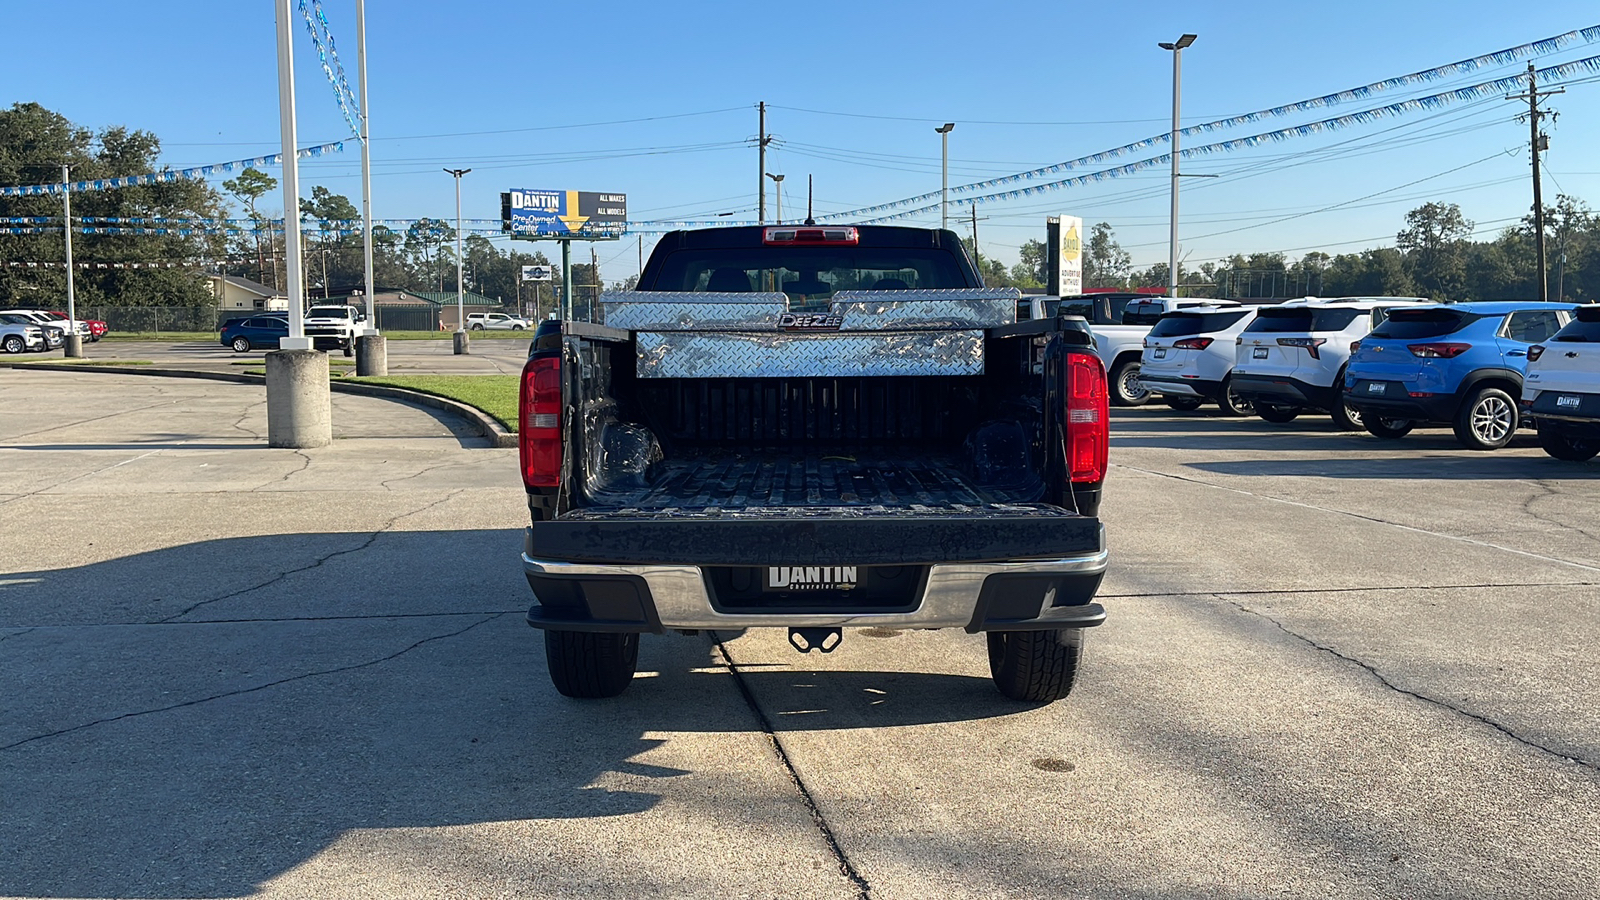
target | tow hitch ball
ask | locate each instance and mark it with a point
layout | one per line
(808, 639)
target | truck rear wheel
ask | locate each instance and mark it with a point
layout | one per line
(1035, 666)
(1126, 388)
(587, 665)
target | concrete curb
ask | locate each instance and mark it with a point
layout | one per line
(486, 425)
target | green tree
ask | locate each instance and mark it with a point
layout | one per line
(1034, 265)
(430, 245)
(34, 142)
(1105, 263)
(336, 257)
(248, 189)
(1435, 243)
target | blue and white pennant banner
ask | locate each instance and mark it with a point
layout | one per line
(101, 184)
(328, 56)
(1536, 48)
(1434, 101)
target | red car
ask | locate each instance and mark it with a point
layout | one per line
(97, 328)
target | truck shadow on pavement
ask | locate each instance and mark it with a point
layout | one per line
(347, 684)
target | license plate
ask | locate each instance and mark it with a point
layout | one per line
(1567, 401)
(1160, 353)
(811, 578)
(1376, 387)
(1258, 353)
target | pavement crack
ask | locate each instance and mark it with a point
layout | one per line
(51, 487)
(841, 859)
(19, 633)
(386, 482)
(120, 412)
(250, 690)
(317, 563)
(1362, 516)
(1433, 701)
(248, 412)
(1546, 491)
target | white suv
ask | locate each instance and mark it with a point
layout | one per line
(1561, 392)
(1188, 357)
(1292, 357)
(496, 321)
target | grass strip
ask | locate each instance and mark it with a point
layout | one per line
(494, 394)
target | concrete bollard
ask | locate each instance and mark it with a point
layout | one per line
(372, 355)
(299, 402)
(461, 342)
(74, 346)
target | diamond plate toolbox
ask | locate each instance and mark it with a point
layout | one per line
(688, 354)
(865, 333)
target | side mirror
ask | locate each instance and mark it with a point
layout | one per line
(361, 317)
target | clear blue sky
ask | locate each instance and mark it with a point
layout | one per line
(495, 86)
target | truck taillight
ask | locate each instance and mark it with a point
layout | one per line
(539, 422)
(1088, 412)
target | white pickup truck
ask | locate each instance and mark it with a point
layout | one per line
(334, 326)
(1120, 322)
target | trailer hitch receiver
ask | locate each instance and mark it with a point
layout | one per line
(808, 639)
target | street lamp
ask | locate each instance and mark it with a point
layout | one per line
(1177, 68)
(944, 182)
(778, 179)
(461, 290)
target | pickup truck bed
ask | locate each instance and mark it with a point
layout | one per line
(906, 458)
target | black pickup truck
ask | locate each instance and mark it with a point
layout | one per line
(815, 428)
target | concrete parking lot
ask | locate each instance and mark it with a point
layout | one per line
(1334, 667)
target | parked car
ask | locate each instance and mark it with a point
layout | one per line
(1119, 336)
(331, 326)
(244, 335)
(1460, 365)
(494, 321)
(1561, 392)
(1292, 357)
(96, 329)
(54, 320)
(55, 332)
(1188, 357)
(19, 335)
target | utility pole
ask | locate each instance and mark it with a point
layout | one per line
(594, 267)
(1537, 143)
(761, 176)
(977, 254)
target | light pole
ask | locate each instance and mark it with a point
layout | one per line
(461, 290)
(1177, 93)
(944, 181)
(74, 342)
(778, 180)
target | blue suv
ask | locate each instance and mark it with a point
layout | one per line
(1458, 364)
(260, 330)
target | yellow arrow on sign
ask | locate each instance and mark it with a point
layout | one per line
(573, 220)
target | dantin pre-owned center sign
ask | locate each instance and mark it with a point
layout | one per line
(578, 215)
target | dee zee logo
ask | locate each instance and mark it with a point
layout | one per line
(810, 322)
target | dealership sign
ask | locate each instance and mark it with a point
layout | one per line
(581, 215)
(537, 273)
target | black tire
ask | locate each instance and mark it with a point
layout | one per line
(1388, 429)
(476, 326)
(1125, 387)
(15, 344)
(1231, 404)
(589, 666)
(516, 328)
(1277, 415)
(1487, 420)
(1183, 404)
(1035, 666)
(1564, 447)
(94, 338)
(241, 345)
